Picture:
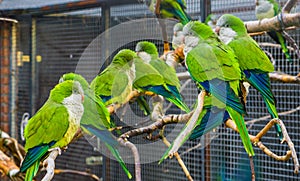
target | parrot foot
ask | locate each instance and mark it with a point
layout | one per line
(57, 149)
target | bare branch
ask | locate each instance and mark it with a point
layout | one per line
(273, 23)
(181, 163)
(268, 116)
(93, 176)
(50, 164)
(137, 162)
(285, 78)
(267, 44)
(7, 165)
(256, 141)
(189, 125)
(288, 6)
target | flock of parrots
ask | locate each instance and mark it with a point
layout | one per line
(219, 61)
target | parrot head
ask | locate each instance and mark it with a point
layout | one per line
(75, 77)
(146, 50)
(196, 28)
(177, 28)
(230, 26)
(124, 57)
(68, 88)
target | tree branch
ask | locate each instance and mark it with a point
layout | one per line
(181, 163)
(93, 176)
(268, 24)
(285, 78)
(288, 6)
(137, 162)
(50, 164)
(189, 125)
(256, 141)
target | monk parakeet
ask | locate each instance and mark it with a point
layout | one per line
(269, 9)
(254, 63)
(178, 37)
(154, 75)
(211, 21)
(214, 67)
(96, 118)
(53, 126)
(170, 9)
(114, 83)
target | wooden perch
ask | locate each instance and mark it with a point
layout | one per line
(285, 78)
(8, 166)
(93, 176)
(189, 126)
(288, 20)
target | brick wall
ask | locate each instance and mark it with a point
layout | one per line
(4, 74)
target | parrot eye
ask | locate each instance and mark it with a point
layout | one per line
(226, 25)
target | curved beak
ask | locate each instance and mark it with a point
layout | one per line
(82, 97)
(217, 29)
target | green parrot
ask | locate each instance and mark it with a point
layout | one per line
(178, 37)
(214, 67)
(114, 83)
(170, 9)
(254, 63)
(154, 75)
(211, 21)
(269, 9)
(96, 118)
(53, 126)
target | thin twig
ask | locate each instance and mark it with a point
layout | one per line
(93, 176)
(181, 163)
(288, 6)
(268, 44)
(251, 122)
(292, 42)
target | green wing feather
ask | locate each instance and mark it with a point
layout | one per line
(146, 75)
(168, 73)
(49, 124)
(113, 82)
(250, 48)
(208, 66)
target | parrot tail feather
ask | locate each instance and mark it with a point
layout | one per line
(210, 120)
(261, 82)
(117, 155)
(32, 171)
(34, 155)
(240, 123)
(104, 135)
(167, 94)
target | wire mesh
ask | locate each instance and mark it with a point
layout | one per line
(63, 37)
